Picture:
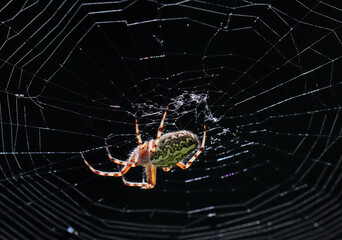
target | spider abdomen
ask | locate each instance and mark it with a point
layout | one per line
(173, 148)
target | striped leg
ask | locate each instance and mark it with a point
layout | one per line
(132, 162)
(188, 164)
(129, 163)
(109, 174)
(152, 176)
(151, 171)
(159, 131)
(138, 133)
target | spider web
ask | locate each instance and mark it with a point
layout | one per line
(264, 76)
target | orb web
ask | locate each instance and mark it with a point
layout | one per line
(264, 77)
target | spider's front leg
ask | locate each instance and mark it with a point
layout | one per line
(130, 163)
(120, 173)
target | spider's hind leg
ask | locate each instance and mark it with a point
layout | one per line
(166, 169)
(188, 164)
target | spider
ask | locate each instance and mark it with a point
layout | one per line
(166, 151)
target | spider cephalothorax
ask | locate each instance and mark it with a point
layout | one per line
(166, 151)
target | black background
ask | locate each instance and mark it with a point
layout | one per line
(267, 75)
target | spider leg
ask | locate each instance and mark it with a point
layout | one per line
(188, 164)
(129, 162)
(152, 175)
(166, 169)
(159, 131)
(138, 134)
(109, 174)
(151, 178)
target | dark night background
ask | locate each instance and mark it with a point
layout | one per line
(265, 76)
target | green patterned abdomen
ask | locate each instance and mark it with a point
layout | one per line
(174, 147)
